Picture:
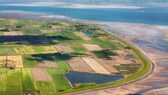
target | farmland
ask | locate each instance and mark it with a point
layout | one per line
(37, 55)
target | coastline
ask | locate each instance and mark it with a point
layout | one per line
(152, 68)
(103, 23)
(152, 56)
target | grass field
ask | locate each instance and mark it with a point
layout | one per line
(27, 80)
(57, 26)
(29, 61)
(1, 33)
(14, 82)
(3, 79)
(45, 87)
(33, 60)
(104, 53)
(7, 51)
(31, 31)
(61, 83)
(46, 31)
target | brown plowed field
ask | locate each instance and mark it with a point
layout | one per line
(92, 47)
(40, 74)
(106, 64)
(10, 33)
(20, 33)
(95, 65)
(78, 64)
(59, 48)
(117, 60)
(48, 64)
(66, 48)
(63, 48)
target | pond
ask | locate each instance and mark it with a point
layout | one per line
(80, 77)
(89, 33)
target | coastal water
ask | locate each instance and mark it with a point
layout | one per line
(147, 15)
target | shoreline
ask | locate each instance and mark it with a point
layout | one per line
(98, 23)
(124, 81)
(152, 69)
(140, 48)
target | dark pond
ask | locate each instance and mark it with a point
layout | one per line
(80, 77)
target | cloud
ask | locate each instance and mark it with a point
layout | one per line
(72, 5)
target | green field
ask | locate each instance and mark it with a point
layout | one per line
(31, 31)
(46, 31)
(1, 34)
(43, 47)
(61, 83)
(45, 87)
(27, 80)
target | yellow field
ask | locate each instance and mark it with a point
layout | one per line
(28, 50)
(35, 49)
(16, 60)
(50, 49)
(19, 50)
(2, 60)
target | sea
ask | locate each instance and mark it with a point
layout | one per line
(145, 15)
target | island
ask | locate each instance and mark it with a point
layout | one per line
(51, 57)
